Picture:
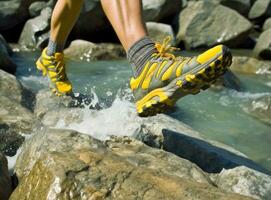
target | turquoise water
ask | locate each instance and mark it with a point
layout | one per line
(218, 115)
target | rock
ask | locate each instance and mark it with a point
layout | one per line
(160, 131)
(249, 65)
(245, 181)
(15, 114)
(36, 31)
(159, 31)
(228, 80)
(263, 46)
(50, 108)
(170, 134)
(158, 10)
(5, 180)
(260, 109)
(36, 8)
(241, 6)
(215, 23)
(6, 63)
(13, 13)
(84, 50)
(153, 10)
(64, 164)
(260, 9)
(267, 24)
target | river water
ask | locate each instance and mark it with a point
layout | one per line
(218, 115)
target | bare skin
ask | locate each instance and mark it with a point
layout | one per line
(64, 17)
(125, 17)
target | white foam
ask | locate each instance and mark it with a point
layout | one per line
(12, 160)
(35, 79)
(120, 119)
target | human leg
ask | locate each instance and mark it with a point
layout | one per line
(160, 78)
(51, 62)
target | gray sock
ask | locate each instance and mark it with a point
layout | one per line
(54, 47)
(139, 53)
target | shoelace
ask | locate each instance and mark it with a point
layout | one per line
(60, 69)
(165, 48)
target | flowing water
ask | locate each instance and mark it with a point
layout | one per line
(218, 115)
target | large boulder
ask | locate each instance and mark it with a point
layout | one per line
(260, 108)
(159, 31)
(36, 31)
(160, 131)
(36, 8)
(84, 50)
(245, 181)
(5, 180)
(267, 24)
(6, 63)
(13, 13)
(263, 46)
(64, 164)
(205, 23)
(249, 65)
(261, 9)
(15, 114)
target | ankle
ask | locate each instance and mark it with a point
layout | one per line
(54, 47)
(139, 53)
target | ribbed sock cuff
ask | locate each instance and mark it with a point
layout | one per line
(54, 47)
(139, 53)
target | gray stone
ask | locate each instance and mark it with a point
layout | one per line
(15, 114)
(241, 6)
(157, 10)
(159, 31)
(13, 12)
(245, 181)
(267, 24)
(260, 9)
(64, 164)
(263, 46)
(204, 24)
(6, 63)
(84, 50)
(36, 8)
(5, 181)
(50, 108)
(170, 134)
(249, 65)
(260, 109)
(36, 31)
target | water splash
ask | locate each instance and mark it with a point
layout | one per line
(119, 119)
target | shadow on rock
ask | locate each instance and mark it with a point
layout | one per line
(210, 158)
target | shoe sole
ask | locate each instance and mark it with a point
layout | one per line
(162, 99)
(54, 90)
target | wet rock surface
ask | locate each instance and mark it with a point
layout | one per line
(5, 180)
(260, 109)
(249, 65)
(82, 167)
(263, 46)
(15, 114)
(245, 181)
(215, 23)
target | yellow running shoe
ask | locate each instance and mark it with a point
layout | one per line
(54, 68)
(166, 78)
